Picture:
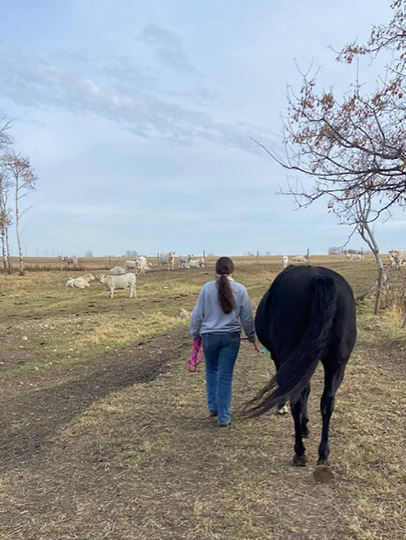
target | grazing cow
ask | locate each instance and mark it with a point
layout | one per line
(301, 258)
(79, 282)
(112, 283)
(167, 259)
(196, 263)
(141, 265)
(68, 261)
(130, 265)
(307, 316)
(183, 261)
(397, 258)
(354, 256)
(117, 270)
(284, 261)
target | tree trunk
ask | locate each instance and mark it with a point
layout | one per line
(4, 252)
(378, 291)
(17, 222)
(9, 261)
(368, 235)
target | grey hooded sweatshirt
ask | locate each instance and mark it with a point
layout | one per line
(209, 318)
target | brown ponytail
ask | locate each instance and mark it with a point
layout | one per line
(224, 267)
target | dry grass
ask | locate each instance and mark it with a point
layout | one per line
(147, 462)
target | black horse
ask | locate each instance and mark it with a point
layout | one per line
(306, 316)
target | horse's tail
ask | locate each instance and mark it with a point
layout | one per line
(297, 368)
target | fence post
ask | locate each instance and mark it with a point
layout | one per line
(257, 257)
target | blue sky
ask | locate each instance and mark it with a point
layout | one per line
(138, 118)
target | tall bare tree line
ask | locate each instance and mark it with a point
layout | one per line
(17, 180)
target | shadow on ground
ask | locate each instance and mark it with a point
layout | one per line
(28, 420)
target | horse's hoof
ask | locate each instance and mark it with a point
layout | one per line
(282, 410)
(299, 461)
(323, 473)
(305, 432)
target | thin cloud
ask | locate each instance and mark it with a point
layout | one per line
(168, 47)
(29, 80)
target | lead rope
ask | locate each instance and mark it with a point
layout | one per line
(253, 342)
(196, 355)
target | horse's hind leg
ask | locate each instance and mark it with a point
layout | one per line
(332, 380)
(281, 407)
(305, 416)
(300, 418)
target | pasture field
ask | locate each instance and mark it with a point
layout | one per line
(104, 434)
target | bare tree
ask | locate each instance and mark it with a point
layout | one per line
(356, 144)
(5, 212)
(24, 180)
(5, 139)
(5, 221)
(353, 147)
(361, 216)
(130, 253)
(358, 140)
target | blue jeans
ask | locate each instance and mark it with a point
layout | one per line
(220, 351)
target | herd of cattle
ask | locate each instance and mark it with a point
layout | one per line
(123, 277)
(397, 258)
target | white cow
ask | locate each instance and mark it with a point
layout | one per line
(184, 261)
(284, 261)
(130, 265)
(141, 265)
(397, 258)
(112, 283)
(117, 270)
(354, 256)
(79, 282)
(196, 263)
(300, 258)
(68, 261)
(167, 259)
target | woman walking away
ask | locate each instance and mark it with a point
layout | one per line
(222, 307)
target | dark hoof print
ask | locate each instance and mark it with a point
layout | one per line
(299, 461)
(323, 474)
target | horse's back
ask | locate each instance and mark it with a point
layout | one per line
(286, 310)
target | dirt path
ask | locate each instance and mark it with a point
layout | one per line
(80, 461)
(29, 418)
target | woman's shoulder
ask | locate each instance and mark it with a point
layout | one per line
(236, 285)
(208, 285)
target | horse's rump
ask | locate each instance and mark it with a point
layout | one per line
(301, 316)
